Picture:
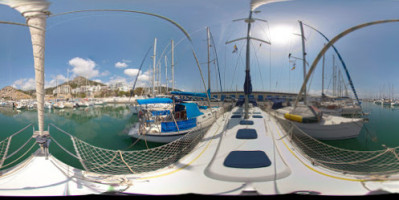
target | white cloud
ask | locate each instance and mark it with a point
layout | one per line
(25, 84)
(98, 80)
(59, 79)
(131, 72)
(121, 65)
(146, 76)
(82, 67)
(116, 79)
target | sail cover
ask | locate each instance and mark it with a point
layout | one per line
(247, 83)
(193, 94)
(35, 13)
(256, 3)
(154, 101)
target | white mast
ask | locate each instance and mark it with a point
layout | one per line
(173, 67)
(166, 74)
(334, 78)
(159, 76)
(303, 59)
(322, 77)
(209, 68)
(35, 13)
(153, 71)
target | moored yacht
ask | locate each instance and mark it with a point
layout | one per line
(162, 121)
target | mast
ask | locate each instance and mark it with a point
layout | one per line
(153, 71)
(303, 59)
(166, 74)
(159, 77)
(173, 67)
(35, 13)
(334, 78)
(322, 77)
(209, 68)
(247, 83)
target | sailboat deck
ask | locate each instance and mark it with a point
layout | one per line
(204, 170)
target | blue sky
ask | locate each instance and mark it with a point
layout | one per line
(109, 46)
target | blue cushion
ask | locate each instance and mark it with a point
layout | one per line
(246, 134)
(247, 159)
(257, 116)
(236, 116)
(246, 122)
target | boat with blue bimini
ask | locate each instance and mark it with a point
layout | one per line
(162, 120)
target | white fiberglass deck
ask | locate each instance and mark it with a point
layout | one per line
(204, 170)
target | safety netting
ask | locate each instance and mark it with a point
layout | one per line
(381, 162)
(117, 162)
(16, 148)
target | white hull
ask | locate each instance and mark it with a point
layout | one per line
(162, 137)
(329, 128)
(59, 105)
(158, 138)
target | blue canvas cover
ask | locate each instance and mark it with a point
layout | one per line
(203, 107)
(183, 125)
(154, 101)
(193, 94)
(160, 112)
(192, 110)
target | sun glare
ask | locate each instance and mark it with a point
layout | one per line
(281, 34)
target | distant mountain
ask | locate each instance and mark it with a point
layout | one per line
(75, 83)
(80, 81)
(11, 93)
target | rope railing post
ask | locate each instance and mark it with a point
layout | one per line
(5, 152)
(43, 140)
(78, 154)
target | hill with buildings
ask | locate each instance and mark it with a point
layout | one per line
(10, 93)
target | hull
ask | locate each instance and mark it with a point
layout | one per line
(158, 138)
(329, 128)
(331, 132)
(166, 137)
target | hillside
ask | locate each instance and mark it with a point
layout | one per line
(76, 82)
(9, 92)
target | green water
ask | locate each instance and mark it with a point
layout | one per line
(107, 127)
(381, 129)
(101, 126)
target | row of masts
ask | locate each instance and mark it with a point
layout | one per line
(339, 85)
(157, 71)
(156, 75)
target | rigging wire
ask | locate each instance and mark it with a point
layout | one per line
(257, 60)
(235, 68)
(217, 60)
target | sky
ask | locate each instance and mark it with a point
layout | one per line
(109, 47)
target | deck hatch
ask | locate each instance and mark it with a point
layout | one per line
(246, 134)
(247, 159)
(246, 122)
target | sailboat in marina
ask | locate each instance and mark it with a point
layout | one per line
(338, 104)
(245, 152)
(313, 121)
(164, 120)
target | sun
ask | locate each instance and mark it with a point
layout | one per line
(282, 34)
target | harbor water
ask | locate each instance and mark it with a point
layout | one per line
(107, 127)
(380, 131)
(104, 126)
